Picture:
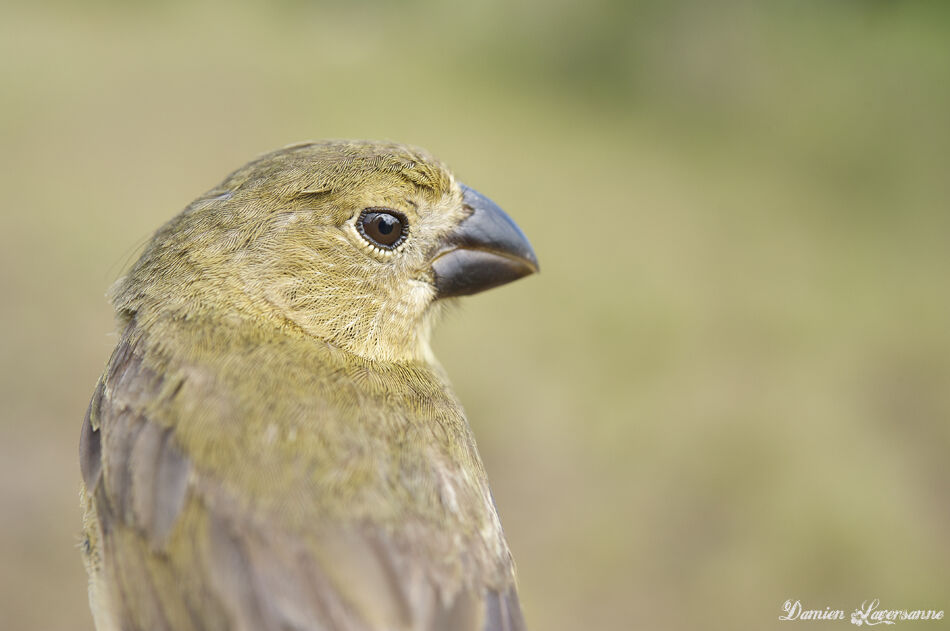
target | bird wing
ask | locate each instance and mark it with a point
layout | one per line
(171, 546)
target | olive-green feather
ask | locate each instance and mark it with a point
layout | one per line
(272, 445)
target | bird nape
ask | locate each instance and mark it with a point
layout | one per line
(272, 444)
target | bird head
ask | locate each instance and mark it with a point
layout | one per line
(356, 243)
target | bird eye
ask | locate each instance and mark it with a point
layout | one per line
(383, 227)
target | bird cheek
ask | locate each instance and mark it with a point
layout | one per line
(421, 292)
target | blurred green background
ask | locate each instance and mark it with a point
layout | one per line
(730, 385)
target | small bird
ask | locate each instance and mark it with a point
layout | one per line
(273, 445)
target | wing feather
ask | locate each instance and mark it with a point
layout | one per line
(178, 550)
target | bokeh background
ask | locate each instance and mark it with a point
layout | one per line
(730, 385)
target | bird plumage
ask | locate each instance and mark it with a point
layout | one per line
(272, 444)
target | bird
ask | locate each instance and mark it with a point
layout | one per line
(272, 444)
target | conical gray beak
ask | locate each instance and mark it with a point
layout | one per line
(487, 249)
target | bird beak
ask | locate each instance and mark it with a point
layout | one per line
(486, 250)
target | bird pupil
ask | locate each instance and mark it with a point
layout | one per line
(383, 228)
(386, 224)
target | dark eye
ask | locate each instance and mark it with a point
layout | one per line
(383, 227)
